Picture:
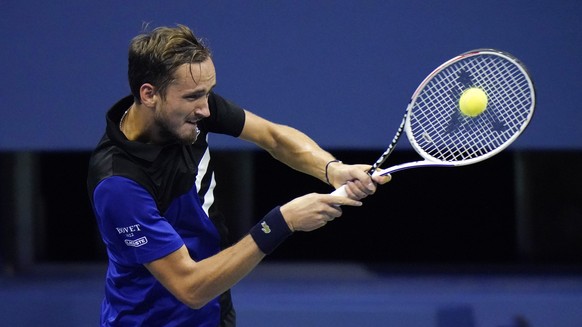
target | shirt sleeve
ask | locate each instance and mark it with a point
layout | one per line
(226, 117)
(131, 225)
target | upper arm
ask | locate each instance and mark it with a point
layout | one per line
(130, 223)
(259, 131)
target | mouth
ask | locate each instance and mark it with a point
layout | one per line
(194, 124)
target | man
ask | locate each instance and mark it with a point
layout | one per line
(167, 265)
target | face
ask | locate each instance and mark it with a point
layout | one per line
(186, 102)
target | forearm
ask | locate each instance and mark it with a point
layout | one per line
(300, 152)
(286, 144)
(195, 283)
(217, 274)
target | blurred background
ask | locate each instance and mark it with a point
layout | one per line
(494, 244)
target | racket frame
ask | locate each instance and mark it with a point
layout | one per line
(430, 161)
(405, 125)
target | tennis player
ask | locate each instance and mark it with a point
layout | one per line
(150, 183)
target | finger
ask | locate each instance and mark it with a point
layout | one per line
(354, 191)
(343, 201)
(382, 179)
(336, 213)
(362, 190)
(361, 174)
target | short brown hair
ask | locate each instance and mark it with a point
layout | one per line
(155, 56)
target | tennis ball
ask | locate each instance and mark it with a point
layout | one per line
(473, 102)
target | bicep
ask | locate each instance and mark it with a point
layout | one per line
(277, 139)
(259, 131)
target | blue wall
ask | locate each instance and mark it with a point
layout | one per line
(342, 71)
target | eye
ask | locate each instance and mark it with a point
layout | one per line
(194, 97)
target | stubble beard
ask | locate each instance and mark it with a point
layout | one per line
(169, 134)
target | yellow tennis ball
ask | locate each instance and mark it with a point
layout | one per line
(473, 102)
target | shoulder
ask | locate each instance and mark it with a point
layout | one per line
(119, 192)
(101, 162)
(108, 160)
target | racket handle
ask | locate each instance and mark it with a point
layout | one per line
(340, 191)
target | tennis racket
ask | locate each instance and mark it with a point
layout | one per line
(446, 137)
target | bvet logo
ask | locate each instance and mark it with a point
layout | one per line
(128, 229)
(137, 242)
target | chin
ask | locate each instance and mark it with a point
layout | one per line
(191, 138)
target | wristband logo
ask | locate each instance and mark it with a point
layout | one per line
(266, 229)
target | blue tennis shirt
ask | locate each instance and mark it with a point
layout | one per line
(135, 233)
(147, 206)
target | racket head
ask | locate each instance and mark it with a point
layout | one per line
(440, 133)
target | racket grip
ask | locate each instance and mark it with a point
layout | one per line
(341, 191)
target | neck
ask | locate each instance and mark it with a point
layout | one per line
(129, 124)
(123, 122)
(135, 126)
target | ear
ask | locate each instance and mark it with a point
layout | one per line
(148, 95)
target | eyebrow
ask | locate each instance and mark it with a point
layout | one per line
(198, 93)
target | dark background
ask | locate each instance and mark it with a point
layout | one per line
(518, 208)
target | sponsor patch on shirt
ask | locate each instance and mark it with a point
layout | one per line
(137, 242)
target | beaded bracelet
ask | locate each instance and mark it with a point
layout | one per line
(271, 231)
(327, 166)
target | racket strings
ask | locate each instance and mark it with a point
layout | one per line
(440, 131)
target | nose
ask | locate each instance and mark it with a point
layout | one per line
(203, 109)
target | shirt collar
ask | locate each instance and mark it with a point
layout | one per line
(148, 152)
